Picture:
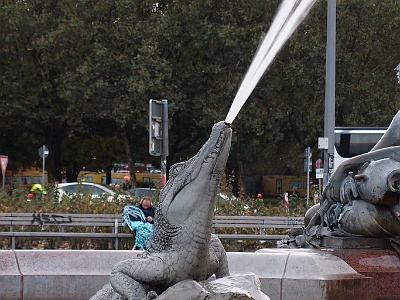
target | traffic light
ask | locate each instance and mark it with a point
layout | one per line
(158, 131)
(307, 159)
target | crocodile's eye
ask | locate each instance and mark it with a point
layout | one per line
(175, 169)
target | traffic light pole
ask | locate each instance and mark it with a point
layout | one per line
(165, 151)
(43, 165)
(329, 120)
(308, 187)
(307, 168)
(43, 152)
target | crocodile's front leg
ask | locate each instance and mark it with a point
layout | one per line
(127, 276)
(218, 260)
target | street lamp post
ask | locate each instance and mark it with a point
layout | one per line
(329, 121)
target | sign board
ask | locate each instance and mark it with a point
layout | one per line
(319, 173)
(330, 163)
(4, 162)
(323, 143)
(318, 163)
(43, 151)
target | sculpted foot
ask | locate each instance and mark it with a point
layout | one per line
(151, 295)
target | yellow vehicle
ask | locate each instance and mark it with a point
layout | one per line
(223, 184)
(142, 179)
(94, 177)
(148, 179)
(276, 185)
(25, 178)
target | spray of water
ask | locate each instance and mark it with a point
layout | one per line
(290, 14)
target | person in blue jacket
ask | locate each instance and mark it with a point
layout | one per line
(148, 209)
(140, 220)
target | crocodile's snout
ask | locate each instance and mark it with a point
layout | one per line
(195, 183)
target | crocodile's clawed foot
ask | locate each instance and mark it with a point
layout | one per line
(151, 295)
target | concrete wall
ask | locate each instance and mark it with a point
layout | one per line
(78, 274)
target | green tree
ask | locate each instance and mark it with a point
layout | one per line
(367, 54)
(208, 46)
(124, 70)
(81, 64)
(79, 75)
(40, 47)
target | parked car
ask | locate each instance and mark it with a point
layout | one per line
(96, 190)
(145, 192)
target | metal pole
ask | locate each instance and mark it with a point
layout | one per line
(165, 150)
(163, 170)
(308, 184)
(43, 166)
(319, 188)
(329, 122)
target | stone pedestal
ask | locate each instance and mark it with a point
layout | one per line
(355, 243)
(305, 274)
(287, 274)
(382, 265)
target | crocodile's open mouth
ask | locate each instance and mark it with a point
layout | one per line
(220, 153)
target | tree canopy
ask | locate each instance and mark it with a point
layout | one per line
(77, 76)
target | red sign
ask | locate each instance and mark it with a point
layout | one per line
(318, 163)
(163, 180)
(4, 162)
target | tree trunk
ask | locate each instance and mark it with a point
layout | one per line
(129, 155)
(53, 161)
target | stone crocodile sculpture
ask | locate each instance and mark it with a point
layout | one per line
(361, 198)
(181, 246)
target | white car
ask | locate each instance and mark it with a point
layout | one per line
(96, 190)
(145, 192)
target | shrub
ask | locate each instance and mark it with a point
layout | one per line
(85, 204)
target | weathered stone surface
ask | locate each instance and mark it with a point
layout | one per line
(187, 289)
(311, 275)
(284, 274)
(382, 265)
(10, 276)
(356, 242)
(243, 287)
